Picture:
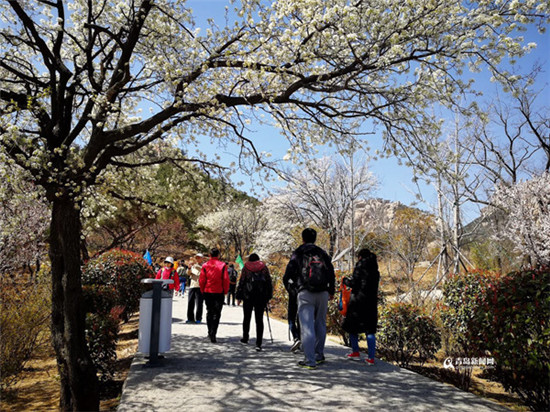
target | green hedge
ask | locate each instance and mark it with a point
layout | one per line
(122, 271)
(405, 332)
(464, 296)
(508, 318)
(111, 290)
(515, 322)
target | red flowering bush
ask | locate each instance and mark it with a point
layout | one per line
(101, 335)
(463, 297)
(508, 318)
(121, 271)
(406, 332)
(112, 289)
(515, 317)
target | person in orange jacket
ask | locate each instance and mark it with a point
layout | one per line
(168, 272)
(214, 284)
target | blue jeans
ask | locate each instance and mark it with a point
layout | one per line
(312, 311)
(371, 344)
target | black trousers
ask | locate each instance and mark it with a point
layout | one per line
(231, 293)
(259, 308)
(195, 299)
(293, 321)
(214, 305)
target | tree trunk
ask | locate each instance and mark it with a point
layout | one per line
(332, 241)
(443, 264)
(79, 383)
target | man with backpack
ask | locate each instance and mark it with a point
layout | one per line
(255, 289)
(310, 270)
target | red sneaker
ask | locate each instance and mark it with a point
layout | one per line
(353, 356)
(369, 362)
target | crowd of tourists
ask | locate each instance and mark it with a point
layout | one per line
(309, 280)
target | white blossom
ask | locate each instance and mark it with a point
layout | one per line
(528, 221)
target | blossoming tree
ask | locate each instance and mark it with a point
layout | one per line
(75, 76)
(527, 222)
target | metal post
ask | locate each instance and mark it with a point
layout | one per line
(269, 324)
(155, 325)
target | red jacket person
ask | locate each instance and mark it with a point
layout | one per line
(214, 284)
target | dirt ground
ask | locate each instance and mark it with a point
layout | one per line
(38, 389)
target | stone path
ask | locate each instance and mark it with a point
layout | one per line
(229, 376)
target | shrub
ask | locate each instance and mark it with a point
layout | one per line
(405, 332)
(279, 302)
(24, 324)
(98, 298)
(122, 271)
(517, 318)
(463, 297)
(111, 290)
(101, 336)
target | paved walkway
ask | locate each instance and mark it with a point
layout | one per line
(201, 376)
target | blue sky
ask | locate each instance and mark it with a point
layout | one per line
(395, 182)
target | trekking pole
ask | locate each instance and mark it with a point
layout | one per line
(268, 323)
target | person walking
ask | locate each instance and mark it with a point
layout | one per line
(168, 272)
(362, 313)
(255, 290)
(292, 314)
(214, 284)
(310, 269)
(195, 298)
(182, 275)
(232, 283)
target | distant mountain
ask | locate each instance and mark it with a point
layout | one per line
(485, 226)
(375, 213)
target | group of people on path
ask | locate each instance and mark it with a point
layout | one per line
(210, 281)
(310, 282)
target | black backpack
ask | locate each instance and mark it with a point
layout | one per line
(258, 286)
(233, 275)
(315, 272)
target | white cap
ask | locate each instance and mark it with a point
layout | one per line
(169, 259)
(199, 255)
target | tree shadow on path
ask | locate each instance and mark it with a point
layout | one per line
(232, 376)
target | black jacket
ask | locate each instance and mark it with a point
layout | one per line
(362, 314)
(293, 278)
(247, 289)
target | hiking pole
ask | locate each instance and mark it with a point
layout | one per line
(268, 323)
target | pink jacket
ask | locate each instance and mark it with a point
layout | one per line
(214, 277)
(166, 273)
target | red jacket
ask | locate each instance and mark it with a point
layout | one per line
(214, 277)
(166, 273)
